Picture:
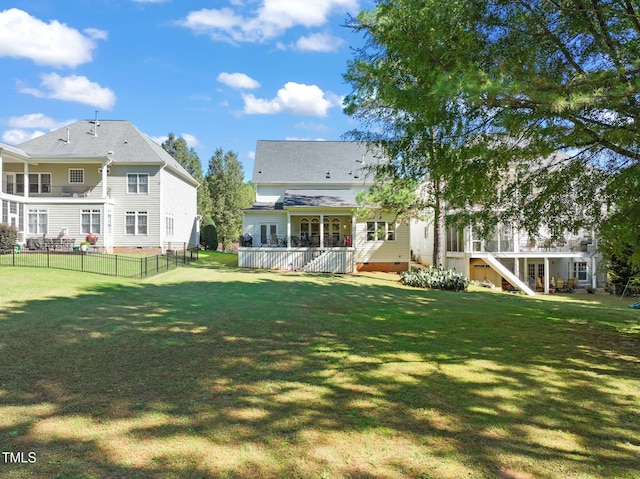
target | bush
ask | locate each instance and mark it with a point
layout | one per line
(209, 235)
(435, 278)
(8, 237)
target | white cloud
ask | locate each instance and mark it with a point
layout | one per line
(159, 139)
(192, 141)
(53, 43)
(319, 42)
(73, 88)
(97, 34)
(16, 136)
(270, 20)
(27, 127)
(37, 120)
(238, 80)
(294, 98)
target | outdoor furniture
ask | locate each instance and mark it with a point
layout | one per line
(246, 240)
(571, 284)
(539, 285)
(35, 244)
(273, 240)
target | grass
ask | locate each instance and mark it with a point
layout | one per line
(209, 371)
(128, 266)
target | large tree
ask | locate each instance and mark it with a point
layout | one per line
(428, 138)
(229, 194)
(188, 158)
(556, 84)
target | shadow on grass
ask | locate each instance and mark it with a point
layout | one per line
(245, 374)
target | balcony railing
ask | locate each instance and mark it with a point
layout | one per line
(45, 190)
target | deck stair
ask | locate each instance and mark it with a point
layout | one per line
(503, 271)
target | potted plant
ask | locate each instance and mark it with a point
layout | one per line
(84, 246)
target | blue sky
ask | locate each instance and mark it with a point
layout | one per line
(222, 74)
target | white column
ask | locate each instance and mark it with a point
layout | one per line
(26, 179)
(594, 280)
(546, 275)
(288, 229)
(321, 231)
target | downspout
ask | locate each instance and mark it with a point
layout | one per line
(108, 239)
(162, 226)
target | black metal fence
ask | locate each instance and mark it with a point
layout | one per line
(124, 266)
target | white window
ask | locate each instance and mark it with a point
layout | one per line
(76, 175)
(38, 220)
(580, 271)
(169, 225)
(137, 183)
(38, 182)
(381, 231)
(135, 223)
(90, 221)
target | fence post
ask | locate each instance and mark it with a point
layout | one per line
(116, 265)
(141, 276)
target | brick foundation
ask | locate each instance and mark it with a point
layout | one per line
(385, 267)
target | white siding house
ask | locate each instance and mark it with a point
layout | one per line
(101, 177)
(304, 215)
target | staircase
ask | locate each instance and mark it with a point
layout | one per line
(330, 261)
(503, 271)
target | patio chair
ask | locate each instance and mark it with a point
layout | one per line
(539, 285)
(273, 240)
(560, 284)
(571, 284)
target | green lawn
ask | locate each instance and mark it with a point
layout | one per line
(209, 371)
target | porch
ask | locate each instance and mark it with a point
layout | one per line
(310, 259)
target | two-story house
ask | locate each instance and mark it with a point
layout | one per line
(104, 178)
(304, 219)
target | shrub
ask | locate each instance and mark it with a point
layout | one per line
(435, 278)
(209, 235)
(8, 237)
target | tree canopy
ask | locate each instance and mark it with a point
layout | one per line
(229, 195)
(536, 102)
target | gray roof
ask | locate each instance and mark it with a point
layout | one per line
(333, 198)
(331, 162)
(128, 144)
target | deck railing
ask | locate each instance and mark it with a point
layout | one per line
(316, 260)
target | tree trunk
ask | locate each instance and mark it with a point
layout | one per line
(439, 229)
